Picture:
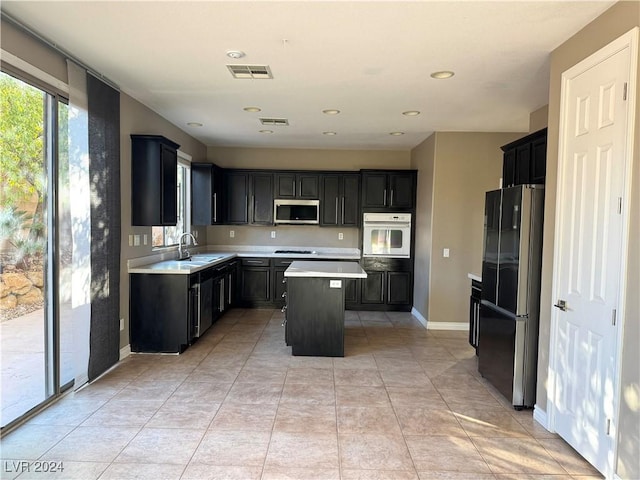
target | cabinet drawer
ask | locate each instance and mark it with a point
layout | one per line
(255, 262)
(282, 262)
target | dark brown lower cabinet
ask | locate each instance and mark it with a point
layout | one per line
(388, 286)
(315, 317)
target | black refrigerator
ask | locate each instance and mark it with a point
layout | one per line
(510, 302)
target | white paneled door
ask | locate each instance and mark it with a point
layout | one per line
(590, 251)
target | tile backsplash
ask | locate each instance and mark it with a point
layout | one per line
(285, 235)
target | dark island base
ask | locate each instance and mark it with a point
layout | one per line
(315, 316)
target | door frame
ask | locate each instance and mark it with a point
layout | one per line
(627, 40)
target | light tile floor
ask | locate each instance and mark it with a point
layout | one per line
(404, 403)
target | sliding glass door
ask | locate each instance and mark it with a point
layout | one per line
(35, 254)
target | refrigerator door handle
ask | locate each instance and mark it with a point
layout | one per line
(522, 301)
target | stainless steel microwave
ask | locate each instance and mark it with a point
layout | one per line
(304, 212)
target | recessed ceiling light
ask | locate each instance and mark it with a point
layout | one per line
(194, 124)
(411, 113)
(396, 134)
(442, 74)
(235, 54)
(329, 133)
(266, 131)
(252, 109)
(331, 111)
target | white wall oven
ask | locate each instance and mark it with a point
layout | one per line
(386, 235)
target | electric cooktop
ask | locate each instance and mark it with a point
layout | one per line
(299, 252)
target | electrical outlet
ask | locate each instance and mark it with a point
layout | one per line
(445, 253)
(121, 324)
(273, 234)
(131, 240)
(232, 233)
(145, 239)
(136, 240)
(340, 236)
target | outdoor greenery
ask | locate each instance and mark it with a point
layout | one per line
(22, 149)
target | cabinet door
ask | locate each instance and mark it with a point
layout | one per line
(255, 284)
(351, 290)
(509, 168)
(401, 190)
(374, 190)
(237, 197)
(308, 186)
(169, 161)
(523, 159)
(154, 180)
(285, 185)
(202, 194)
(330, 204)
(373, 288)
(262, 198)
(399, 289)
(350, 202)
(538, 167)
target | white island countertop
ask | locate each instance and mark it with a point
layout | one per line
(325, 269)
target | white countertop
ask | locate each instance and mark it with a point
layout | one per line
(301, 268)
(475, 277)
(166, 263)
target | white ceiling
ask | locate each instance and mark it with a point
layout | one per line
(370, 59)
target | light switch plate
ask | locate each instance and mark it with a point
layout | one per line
(232, 233)
(136, 240)
(335, 283)
(121, 324)
(145, 240)
(131, 240)
(445, 253)
(273, 234)
(340, 236)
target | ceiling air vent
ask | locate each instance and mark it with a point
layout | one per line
(250, 71)
(274, 121)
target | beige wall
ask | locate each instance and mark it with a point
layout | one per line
(286, 236)
(467, 165)
(135, 118)
(614, 22)
(294, 158)
(423, 159)
(32, 51)
(539, 119)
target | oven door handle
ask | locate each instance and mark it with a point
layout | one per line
(387, 224)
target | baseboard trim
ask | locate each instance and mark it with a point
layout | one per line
(125, 352)
(419, 317)
(448, 326)
(541, 417)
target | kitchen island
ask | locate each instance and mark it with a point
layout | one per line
(314, 313)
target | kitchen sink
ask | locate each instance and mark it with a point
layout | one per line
(205, 258)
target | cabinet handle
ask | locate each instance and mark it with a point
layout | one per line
(284, 295)
(283, 309)
(342, 210)
(336, 209)
(284, 280)
(254, 261)
(246, 207)
(384, 200)
(215, 208)
(300, 188)
(391, 202)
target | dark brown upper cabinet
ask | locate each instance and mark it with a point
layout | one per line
(525, 160)
(154, 180)
(206, 194)
(385, 189)
(304, 185)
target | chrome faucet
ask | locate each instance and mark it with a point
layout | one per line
(184, 253)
